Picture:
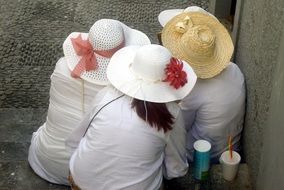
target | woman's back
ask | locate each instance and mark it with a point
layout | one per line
(135, 132)
(120, 150)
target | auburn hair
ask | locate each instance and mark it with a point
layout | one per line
(158, 115)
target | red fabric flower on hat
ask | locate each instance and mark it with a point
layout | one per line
(175, 73)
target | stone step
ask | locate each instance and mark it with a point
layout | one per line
(18, 175)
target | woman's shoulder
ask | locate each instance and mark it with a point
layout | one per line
(109, 90)
(108, 93)
(174, 108)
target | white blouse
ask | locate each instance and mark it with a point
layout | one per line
(47, 154)
(122, 151)
(214, 110)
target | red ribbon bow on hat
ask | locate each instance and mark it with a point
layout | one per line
(175, 75)
(88, 61)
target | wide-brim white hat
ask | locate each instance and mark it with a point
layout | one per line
(166, 15)
(139, 72)
(104, 35)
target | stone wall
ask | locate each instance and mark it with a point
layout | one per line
(272, 163)
(261, 25)
(32, 33)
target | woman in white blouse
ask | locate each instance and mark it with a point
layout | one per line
(135, 132)
(76, 80)
(214, 110)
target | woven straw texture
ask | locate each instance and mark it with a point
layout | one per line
(204, 42)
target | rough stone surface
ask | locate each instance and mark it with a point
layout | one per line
(242, 180)
(19, 176)
(261, 25)
(214, 182)
(32, 33)
(16, 128)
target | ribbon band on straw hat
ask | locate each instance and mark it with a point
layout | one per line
(198, 39)
(183, 25)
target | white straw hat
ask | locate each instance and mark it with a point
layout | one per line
(166, 15)
(105, 37)
(150, 73)
(199, 39)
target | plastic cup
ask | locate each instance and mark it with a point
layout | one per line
(230, 165)
(201, 160)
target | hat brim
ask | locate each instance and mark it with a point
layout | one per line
(121, 77)
(98, 76)
(223, 43)
(166, 15)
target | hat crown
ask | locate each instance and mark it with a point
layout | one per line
(106, 34)
(150, 62)
(199, 42)
(204, 43)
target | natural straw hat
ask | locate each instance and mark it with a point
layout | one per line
(201, 40)
(150, 73)
(105, 37)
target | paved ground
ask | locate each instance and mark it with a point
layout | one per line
(32, 33)
(16, 127)
(31, 37)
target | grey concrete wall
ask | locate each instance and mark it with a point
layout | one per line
(272, 162)
(261, 25)
(32, 33)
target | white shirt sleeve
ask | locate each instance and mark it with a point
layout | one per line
(175, 162)
(77, 134)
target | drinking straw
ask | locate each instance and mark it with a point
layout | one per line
(230, 147)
